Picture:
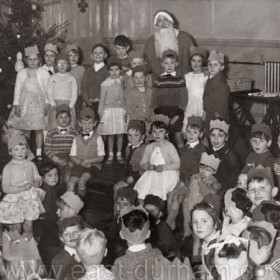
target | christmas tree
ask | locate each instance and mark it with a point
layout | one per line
(20, 28)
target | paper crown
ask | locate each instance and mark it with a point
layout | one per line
(73, 200)
(261, 172)
(164, 14)
(193, 120)
(260, 127)
(220, 124)
(51, 47)
(169, 52)
(71, 47)
(209, 160)
(216, 55)
(135, 54)
(197, 50)
(62, 108)
(15, 140)
(31, 50)
(138, 236)
(160, 118)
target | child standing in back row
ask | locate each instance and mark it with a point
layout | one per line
(111, 110)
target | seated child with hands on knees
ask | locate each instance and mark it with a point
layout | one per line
(134, 151)
(87, 152)
(91, 248)
(21, 183)
(160, 162)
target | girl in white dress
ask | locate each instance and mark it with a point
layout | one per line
(195, 82)
(160, 162)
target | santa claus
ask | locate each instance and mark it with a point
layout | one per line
(167, 36)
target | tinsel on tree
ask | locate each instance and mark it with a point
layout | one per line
(20, 27)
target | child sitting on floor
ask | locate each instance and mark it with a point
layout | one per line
(87, 152)
(91, 248)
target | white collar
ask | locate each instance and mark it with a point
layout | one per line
(137, 248)
(172, 74)
(129, 73)
(90, 134)
(59, 128)
(133, 147)
(70, 250)
(217, 149)
(193, 144)
(98, 66)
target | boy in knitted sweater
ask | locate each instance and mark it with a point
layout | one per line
(170, 95)
(87, 152)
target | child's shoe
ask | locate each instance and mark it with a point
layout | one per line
(120, 159)
(109, 160)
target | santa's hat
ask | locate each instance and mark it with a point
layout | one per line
(219, 124)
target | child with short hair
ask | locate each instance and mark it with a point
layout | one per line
(138, 100)
(195, 83)
(135, 59)
(122, 46)
(67, 263)
(261, 186)
(160, 163)
(69, 205)
(161, 234)
(260, 140)
(170, 95)
(229, 167)
(91, 248)
(30, 99)
(87, 152)
(21, 183)
(112, 110)
(59, 141)
(216, 91)
(62, 89)
(133, 154)
(50, 53)
(76, 70)
(93, 77)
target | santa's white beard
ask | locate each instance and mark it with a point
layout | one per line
(165, 38)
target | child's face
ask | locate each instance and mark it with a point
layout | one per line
(32, 61)
(153, 211)
(63, 120)
(121, 51)
(122, 204)
(242, 181)
(62, 66)
(260, 145)
(217, 138)
(51, 177)
(206, 171)
(203, 224)
(169, 65)
(98, 55)
(159, 134)
(260, 191)
(215, 67)
(87, 125)
(196, 63)
(70, 235)
(73, 57)
(139, 79)
(137, 61)
(115, 72)
(18, 152)
(49, 58)
(64, 211)
(193, 134)
(134, 137)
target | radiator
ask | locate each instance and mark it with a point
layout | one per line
(272, 76)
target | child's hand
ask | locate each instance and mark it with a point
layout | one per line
(27, 186)
(62, 162)
(151, 167)
(17, 110)
(37, 183)
(130, 180)
(86, 163)
(159, 168)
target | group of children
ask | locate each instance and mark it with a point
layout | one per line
(179, 171)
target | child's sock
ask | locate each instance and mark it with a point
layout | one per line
(119, 154)
(111, 154)
(38, 152)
